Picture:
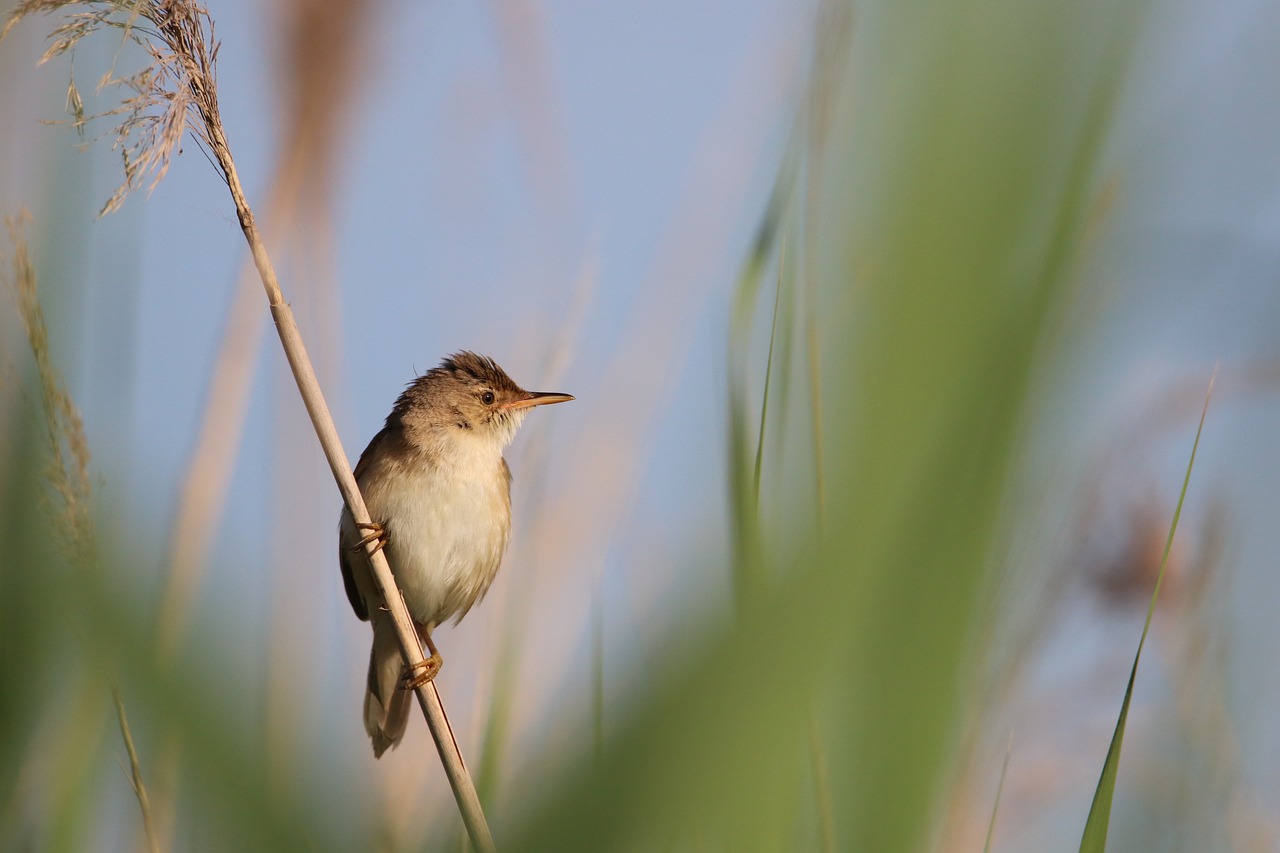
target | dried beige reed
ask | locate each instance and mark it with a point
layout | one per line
(178, 92)
(171, 94)
(135, 774)
(67, 471)
(323, 46)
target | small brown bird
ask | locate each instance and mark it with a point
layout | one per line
(439, 494)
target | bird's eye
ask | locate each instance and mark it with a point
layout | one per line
(487, 398)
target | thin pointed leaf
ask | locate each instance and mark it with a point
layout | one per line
(995, 807)
(768, 373)
(1095, 828)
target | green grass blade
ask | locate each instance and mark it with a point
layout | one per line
(995, 807)
(743, 469)
(1095, 828)
(768, 375)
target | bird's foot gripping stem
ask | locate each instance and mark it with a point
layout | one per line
(377, 533)
(422, 672)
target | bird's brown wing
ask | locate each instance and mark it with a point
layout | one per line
(349, 581)
(345, 554)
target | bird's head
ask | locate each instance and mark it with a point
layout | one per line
(468, 398)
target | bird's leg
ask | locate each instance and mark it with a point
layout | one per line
(377, 534)
(430, 668)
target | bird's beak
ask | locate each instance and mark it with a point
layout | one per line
(538, 398)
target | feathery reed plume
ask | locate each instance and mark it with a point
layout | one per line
(178, 91)
(175, 92)
(68, 468)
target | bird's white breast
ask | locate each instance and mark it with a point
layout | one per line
(447, 525)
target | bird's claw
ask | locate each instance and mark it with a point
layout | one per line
(430, 668)
(377, 534)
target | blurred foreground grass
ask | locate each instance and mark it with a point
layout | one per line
(955, 191)
(948, 176)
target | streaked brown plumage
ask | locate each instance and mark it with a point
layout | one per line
(439, 491)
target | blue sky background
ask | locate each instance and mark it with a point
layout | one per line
(590, 243)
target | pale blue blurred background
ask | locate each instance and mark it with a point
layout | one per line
(574, 195)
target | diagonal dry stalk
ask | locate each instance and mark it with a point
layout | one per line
(135, 774)
(178, 92)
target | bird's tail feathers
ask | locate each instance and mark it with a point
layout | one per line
(386, 703)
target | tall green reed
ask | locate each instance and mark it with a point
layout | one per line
(964, 155)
